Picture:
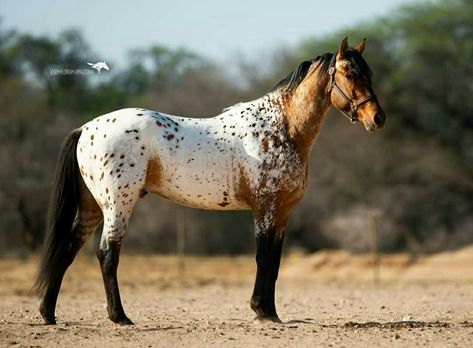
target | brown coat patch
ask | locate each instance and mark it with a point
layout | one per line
(244, 193)
(153, 174)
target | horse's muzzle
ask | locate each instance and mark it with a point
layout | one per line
(377, 122)
(379, 119)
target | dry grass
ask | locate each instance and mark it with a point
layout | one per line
(166, 272)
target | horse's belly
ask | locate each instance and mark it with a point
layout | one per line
(196, 195)
(201, 201)
(207, 184)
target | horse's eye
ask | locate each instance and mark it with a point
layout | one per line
(349, 77)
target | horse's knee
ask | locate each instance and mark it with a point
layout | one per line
(115, 225)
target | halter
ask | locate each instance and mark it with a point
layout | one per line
(354, 105)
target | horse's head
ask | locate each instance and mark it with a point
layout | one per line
(350, 87)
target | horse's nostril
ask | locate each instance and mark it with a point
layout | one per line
(378, 118)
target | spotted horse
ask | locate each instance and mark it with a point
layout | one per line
(253, 156)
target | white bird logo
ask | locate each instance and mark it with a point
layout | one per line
(99, 66)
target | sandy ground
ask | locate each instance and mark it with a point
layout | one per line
(326, 299)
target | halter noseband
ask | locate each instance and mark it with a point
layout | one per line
(354, 105)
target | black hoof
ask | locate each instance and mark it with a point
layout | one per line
(121, 320)
(49, 321)
(125, 321)
(267, 319)
(48, 317)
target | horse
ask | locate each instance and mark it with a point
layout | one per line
(253, 156)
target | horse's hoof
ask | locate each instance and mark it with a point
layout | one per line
(49, 320)
(267, 319)
(123, 321)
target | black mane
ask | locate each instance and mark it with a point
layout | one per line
(291, 81)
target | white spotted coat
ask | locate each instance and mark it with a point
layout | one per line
(202, 160)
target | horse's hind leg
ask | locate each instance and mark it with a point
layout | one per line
(89, 216)
(116, 218)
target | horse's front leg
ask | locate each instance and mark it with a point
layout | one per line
(269, 228)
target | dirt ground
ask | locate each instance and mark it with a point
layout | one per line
(325, 299)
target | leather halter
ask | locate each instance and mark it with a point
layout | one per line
(354, 105)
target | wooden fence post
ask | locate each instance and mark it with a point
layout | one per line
(373, 231)
(181, 241)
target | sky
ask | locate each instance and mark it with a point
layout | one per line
(216, 29)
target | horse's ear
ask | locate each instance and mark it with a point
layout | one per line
(343, 49)
(361, 46)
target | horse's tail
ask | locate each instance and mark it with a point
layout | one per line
(63, 208)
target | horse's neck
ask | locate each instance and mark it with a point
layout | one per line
(305, 110)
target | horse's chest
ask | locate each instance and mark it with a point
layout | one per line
(282, 171)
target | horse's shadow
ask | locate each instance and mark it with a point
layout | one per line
(66, 324)
(289, 323)
(299, 321)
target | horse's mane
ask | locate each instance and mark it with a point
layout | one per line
(233, 106)
(291, 81)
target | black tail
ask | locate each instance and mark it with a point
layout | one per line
(62, 212)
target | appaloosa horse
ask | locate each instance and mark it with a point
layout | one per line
(252, 156)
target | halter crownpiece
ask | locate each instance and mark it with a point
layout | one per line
(354, 105)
